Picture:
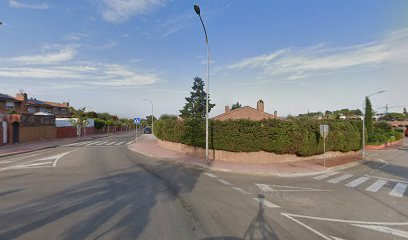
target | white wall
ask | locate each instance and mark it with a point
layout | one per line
(66, 122)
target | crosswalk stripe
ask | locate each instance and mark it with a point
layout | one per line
(110, 143)
(224, 182)
(398, 190)
(119, 143)
(320, 177)
(101, 143)
(129, 142)
(357, 182)
(340, 178)
(92, 143)
(377, 185)
(266, 203)
(76, 144)
(210, 175)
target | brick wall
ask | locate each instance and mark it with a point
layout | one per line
(1, 133)
(31, 134)
(64, 132)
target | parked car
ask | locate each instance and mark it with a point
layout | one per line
(147, 130)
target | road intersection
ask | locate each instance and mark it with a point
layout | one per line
(88, 191)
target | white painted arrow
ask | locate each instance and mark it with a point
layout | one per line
(384, 229)
(39, 162)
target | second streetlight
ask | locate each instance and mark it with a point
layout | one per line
(197, 10)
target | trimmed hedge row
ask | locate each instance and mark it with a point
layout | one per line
(300, 137)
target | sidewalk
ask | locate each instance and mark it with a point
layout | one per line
(18, 148)
(147, 145)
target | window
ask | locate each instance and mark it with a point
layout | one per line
(42, 109)
(31, 109)
(56, 110)
(10, 105)
(63, 111)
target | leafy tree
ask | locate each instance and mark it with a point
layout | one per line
(196, 103)
(149, 120)
(92, 114)
(79, 118)
(236, 105)
(104, 116)
(168, 116)
(369, 119)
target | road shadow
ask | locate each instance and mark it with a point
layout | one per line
(258, 229)
(117, 206)
(10, 192)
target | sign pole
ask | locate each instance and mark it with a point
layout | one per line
(324, 151)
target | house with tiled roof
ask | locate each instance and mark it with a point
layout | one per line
(246, 112)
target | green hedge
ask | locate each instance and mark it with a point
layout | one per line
(293, 136)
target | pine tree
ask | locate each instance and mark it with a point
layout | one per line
(195, 106)
(369, 119)
(405, 113)
(236, 105)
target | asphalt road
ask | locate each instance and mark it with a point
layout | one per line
(101, 190)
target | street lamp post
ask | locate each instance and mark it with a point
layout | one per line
(364, 107)
(197, 10)
(151, 102)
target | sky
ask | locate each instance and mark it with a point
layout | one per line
(297, 56)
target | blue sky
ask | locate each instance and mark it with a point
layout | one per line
(108, 55)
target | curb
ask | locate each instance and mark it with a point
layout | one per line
(287, 175)
(48, 147)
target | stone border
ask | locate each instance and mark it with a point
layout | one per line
(385, 145)
(248, 157)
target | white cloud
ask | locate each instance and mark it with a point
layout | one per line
(75, 36)
(56, 56)
(117, 11)
(18, 4)
(298, 63)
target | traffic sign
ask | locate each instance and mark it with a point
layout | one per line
(136, 121)
(324, 130)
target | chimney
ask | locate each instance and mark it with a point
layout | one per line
(22, 96)
(260, 106)
(227, 109)
(66, 104)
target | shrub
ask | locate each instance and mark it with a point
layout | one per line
(292, 136)
(99, 123)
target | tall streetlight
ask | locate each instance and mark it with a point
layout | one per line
(197, 10)
(151, 102)
(364, 108)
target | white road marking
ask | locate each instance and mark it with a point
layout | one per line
(224, 182)
(75, 144)
(92, 143)
(101, 143)
(383, 229)
(269, 188)
(398, 190)
(266, 203)
(357, 182)
(210, 175)
(348, 221)
(241, 190)
(320, 177)
(337, 238)
(377, 185)
(385, 163)
(110, 143)
(31, 165)
(388, 179)
(307, 227)
(340, 178)
(128, 143)
(119, 143)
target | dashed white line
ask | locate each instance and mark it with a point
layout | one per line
(240, 190)
(119, 143)
(398, 190)
(377, 185)
(340, 178)
(266, 203)
(320, 177)
(210, 175)
(224, 182)
(357, 182)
